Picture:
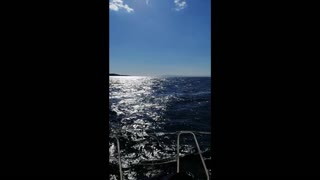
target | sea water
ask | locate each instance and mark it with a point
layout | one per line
(145, 113)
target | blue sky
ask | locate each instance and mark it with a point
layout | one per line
(160, 37)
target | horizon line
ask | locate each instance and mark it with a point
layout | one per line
(164, 75)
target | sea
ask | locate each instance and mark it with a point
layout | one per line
(145, 113)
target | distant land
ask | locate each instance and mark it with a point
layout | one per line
(113, 74)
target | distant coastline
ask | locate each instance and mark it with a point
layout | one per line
(113, 74)
(161, 76)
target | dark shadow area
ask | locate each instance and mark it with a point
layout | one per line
(54, 95)
(264, 89)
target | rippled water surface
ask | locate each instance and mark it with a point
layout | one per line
(145, 112)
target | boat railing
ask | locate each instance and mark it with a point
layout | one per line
(119, 156)
(178, 149)
(199, 150)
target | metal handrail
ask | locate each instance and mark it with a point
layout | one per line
(119, 158)
(200, 154)
(178, 147)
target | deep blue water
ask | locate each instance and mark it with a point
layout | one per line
(144, 111)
